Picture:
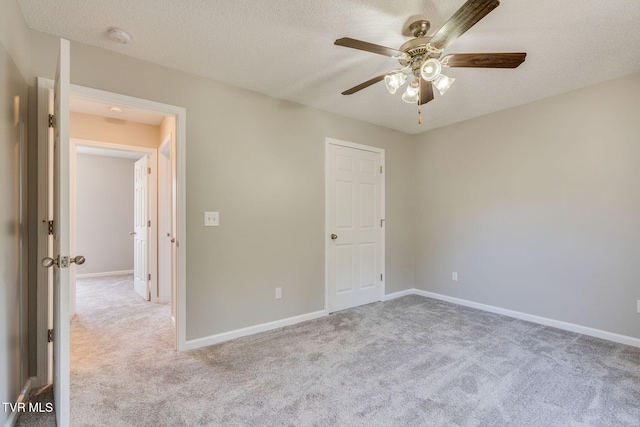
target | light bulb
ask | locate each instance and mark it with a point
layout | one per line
(412, 93)
(430, 69)
(394, 80)
(442, 83)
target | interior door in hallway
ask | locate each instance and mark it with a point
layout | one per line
(141, 225)
(354, 224)
(60, 199)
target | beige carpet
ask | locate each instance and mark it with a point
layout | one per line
(406, 362)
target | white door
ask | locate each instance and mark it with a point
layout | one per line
(355, 252)
(61, 319)
(140, 234)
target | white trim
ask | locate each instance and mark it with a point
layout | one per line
(13, 416)
(400, 294)
(180, 114)
(251, 330)
(226, 336)
(380, 151)
(44, 295)
(165, 211)
(152, 198)
(571, 327)
(43, 369)
(181, 219)
(104, 274)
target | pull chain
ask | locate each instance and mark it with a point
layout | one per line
(419, 107)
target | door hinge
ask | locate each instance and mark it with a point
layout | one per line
(50, 335)
(382, 222)
(149, 223)
(51, 119)
(380, 169)
(50, 227)
(149, 276)
(149, 171)
(381, 277)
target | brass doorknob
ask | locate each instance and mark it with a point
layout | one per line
(334, 236)
(49, 262)
(62, 262)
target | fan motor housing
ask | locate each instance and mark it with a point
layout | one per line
(418, 50)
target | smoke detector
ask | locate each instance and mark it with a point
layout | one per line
(119, 35)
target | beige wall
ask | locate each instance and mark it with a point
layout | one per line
(104, 129)
(14, 360)
(104, 213)
(535, 207)
(15, 36)
(538, 208)
(259, 161)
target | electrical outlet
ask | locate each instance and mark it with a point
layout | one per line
(211, 219)
(454, 276)
(638, 302)
(278, 293)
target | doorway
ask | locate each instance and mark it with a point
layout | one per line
(178, 176)
(355, 238)
(104, 211)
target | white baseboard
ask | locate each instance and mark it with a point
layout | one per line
(226, 336)
(24, 393)
(399, 294)
(572, 327)
(104, 274)
(585, 330)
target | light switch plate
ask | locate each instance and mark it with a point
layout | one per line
(211, 219)
(454, 276)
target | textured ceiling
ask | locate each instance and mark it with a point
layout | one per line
(284, 48)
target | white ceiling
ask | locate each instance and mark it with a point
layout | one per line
(284, 48)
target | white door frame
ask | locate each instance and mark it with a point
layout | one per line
(151, 203)
(165, 292)
(327, 232)
(44, 296)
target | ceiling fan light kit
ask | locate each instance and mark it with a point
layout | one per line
(430, 69)
(412, 93)
(443, 83)
(422, 55)
(394, 80)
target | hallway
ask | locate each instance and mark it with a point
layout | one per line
(116, 340)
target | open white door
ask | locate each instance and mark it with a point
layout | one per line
(60, 261)
(141, 224)
(354, 222)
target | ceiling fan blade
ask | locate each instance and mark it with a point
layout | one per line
(484, 60)
(466, 17)
(364, 85)
(426, 91)
(369, 47)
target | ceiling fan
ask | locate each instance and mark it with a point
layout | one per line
(421, 56)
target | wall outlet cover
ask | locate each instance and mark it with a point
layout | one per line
(211, 219)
